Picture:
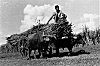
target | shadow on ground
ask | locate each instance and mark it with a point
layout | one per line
(18, 56)
(65, 54)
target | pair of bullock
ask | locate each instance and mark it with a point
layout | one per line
(43, 44)
(35, 42)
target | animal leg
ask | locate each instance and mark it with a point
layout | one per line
(21, 51)
(34, 54)
(40, 53)
(70, 50)
(57, 51)
(29, 52)
(50, 52)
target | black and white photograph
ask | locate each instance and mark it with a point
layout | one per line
(49, 32)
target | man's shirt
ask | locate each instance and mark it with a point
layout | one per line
(59, 17)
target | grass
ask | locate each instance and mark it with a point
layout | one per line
(14, 59)
(92, 49)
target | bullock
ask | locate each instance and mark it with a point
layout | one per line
(64, 42)
(49, 40)
(34, 42)
(38, 42)
(67, 42)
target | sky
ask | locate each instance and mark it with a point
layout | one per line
(17, 16)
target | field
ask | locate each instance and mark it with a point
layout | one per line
(91, 57)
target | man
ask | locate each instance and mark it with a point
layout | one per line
(58, 16)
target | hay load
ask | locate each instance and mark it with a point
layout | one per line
(59, 30)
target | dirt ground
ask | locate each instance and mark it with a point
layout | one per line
(92, 58)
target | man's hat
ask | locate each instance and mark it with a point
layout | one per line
(56, 6)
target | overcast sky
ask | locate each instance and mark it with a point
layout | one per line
(14, 13)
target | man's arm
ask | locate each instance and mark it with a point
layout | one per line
(49, 19)
(64, 16)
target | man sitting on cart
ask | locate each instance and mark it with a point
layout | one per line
(58, 16)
